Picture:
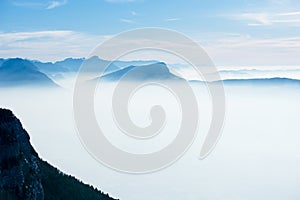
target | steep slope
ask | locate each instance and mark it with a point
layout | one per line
(20, 176)
(19, 72)
(24, 176)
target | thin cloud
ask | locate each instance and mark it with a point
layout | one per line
(40, 5)
(120, 1)
(172, 19)
(241, 49)
(289, 14)
(28, 4)
(128, 21)
(267, 19)
(133, 13)
(223, 48)
(55, 4)
(48, 45)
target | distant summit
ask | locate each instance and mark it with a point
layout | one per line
(95, 64)
(69, 64)
(156, 71)
(20, 72)
(263, 82)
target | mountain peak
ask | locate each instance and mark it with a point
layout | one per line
(6, 115)
(18, 64)
(155, 71)
(20, 72)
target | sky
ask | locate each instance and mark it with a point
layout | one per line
(233, 32)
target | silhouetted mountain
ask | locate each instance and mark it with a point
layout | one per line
(156, 71)
(70, 64)
(263, 81)
(20, 176)
(19, 72)
(94, 63)
(57, 69)
(24, 176)
(49, 67)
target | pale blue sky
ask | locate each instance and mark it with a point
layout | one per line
(234, 32)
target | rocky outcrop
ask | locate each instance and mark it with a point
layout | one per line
(24, 176)
(20, 176)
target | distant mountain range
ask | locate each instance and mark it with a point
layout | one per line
(24, 176)
(263, 81)
(94, 64)
(19, 72)
(22, 72)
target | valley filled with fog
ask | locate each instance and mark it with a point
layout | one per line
(257, 156)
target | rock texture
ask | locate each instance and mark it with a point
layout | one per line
(24, 176)
(20, 176)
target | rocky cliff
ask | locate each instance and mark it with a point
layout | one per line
(23, 175)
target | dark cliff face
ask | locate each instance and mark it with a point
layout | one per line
(23, 175)
(20, 176)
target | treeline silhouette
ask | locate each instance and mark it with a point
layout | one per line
(58, 185)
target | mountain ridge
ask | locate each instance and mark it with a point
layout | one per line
(20, 72)
(117, 69)
(155, 71)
